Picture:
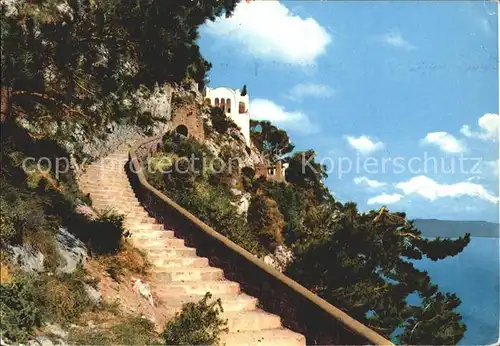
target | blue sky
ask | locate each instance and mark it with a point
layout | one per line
(399, 99)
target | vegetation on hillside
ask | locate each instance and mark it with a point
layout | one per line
(204, 190)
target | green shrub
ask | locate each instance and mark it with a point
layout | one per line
(20, 309)
(182, 177)
(213, 204)
(184, 147)
(31, 299)
(22, 212)
(103, 235)
(197, 324)
(189, 147)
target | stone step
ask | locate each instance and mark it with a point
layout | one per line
(152, 234)
(113, 201)
(144, 228)
(130, 209)
(239, 321)
(231, 302)
(172, 275)
(268, 337)
(110, 166)
(142, 219)
(120, 204)
(135, 210)
(216, 288)
(181, 252)
(115, 196)
(155, 244)
(194, 262)
(117, 181)
(133, 214)
(105, 185)
(116, 190)
(117, 200)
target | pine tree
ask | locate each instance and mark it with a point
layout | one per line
(370, 274)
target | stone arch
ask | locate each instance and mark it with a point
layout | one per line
(228, 105)
(182, 130)
(216, 102)
(223, 104)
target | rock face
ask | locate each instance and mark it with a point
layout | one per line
(244, 201)
(94, 295)
(72, 251)
(28, 258)
(280, 259)
(158, 104)
(144, 290)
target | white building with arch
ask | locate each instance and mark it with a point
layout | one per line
(234, 105)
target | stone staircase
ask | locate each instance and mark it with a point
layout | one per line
(179, 275)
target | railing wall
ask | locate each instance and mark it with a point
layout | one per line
(300, 310)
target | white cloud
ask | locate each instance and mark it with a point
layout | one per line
(445, 141)
(302, 90)
(262, 109)
(492, 166)
(364, 144)
(466, 131)
(488, 128)
(369, 182)
(269, 30)
(431, 190)
(385, 199)
(395, 39)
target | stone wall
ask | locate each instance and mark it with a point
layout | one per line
(188, 115)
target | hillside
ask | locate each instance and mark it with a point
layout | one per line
(453, 229)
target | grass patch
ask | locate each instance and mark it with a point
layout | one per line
(130, 330)
(128, 260)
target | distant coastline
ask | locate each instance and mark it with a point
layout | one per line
(453, 229)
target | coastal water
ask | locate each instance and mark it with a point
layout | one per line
(474, 275)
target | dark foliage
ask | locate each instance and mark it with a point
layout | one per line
(220, 121)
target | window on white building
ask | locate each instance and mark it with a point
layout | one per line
(242, 107)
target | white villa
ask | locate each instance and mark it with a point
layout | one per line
(235, 106)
